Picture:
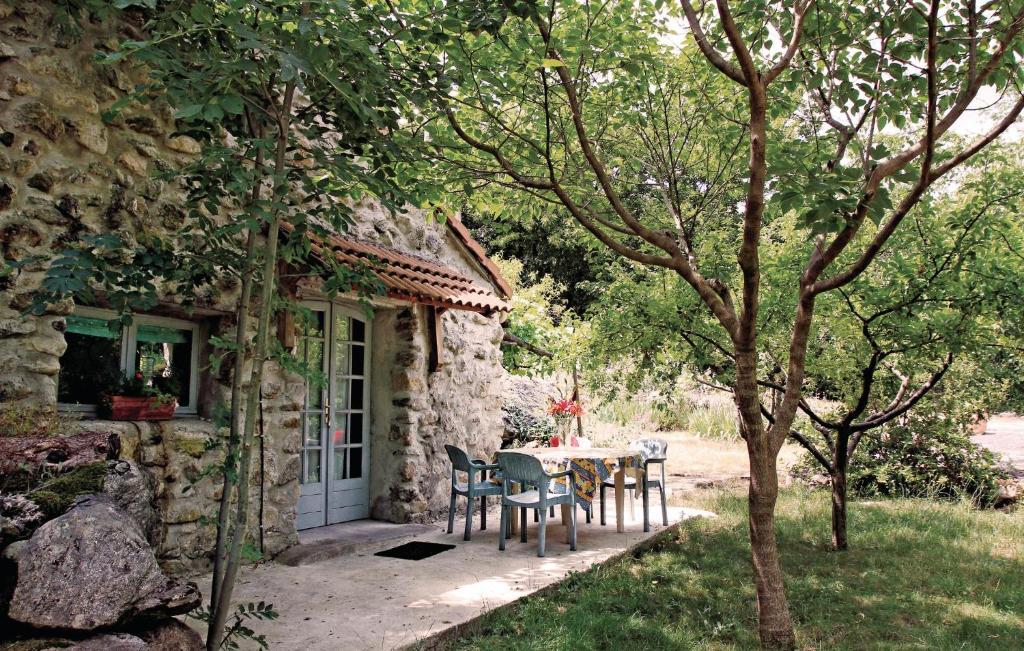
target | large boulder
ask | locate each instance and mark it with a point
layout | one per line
(92, 567)
(165, 635)
(168, 635)
(131, 487)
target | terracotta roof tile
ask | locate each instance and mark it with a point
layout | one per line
(456, 226)
(414, 279)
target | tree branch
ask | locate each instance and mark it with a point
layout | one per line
(886, 416)
(799, 11)
(709, 52)
(510, 338)
(810, 447)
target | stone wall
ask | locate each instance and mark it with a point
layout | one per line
(178, 455)
(416, 412)
(65, 172)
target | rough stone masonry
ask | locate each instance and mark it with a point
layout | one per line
(66, 172)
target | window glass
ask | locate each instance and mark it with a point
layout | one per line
(311, 323)
(358, 330)
(341, 394)
(338, 434)
(355, 462)
(313, 430)
(311, 473)
(357, 359)
(341, 327)
(356, 399)
(340, 358)
(92, 360)
(339, 463)
(314, 349)
(164, 357)
(355, 428)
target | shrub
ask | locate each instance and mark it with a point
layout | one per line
(924, 456)
(521, 426)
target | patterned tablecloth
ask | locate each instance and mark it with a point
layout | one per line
(590, 467)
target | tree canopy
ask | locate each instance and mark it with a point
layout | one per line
(823, 123)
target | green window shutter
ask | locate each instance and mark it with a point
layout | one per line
(162, 335)
(84, 325)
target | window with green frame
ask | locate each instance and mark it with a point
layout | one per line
(100, 349)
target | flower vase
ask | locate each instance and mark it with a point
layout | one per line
(563, 429)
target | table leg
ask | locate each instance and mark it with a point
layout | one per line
(620, 494)
(565, 522)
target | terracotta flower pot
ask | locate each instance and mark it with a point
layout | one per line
(141, 408)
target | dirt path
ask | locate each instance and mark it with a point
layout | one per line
(1005, 436)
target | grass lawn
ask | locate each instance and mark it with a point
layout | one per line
(920, 575)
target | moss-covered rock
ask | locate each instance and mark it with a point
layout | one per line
(193, 447)
(55, 496)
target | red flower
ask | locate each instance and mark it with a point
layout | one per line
(565, 408)
(138, 376)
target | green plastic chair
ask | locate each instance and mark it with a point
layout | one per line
(527, 472)
(471, 488)
(652, 452)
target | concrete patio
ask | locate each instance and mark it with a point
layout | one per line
(360, 601)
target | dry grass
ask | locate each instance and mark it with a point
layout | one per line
(695, 457)
(690, 456)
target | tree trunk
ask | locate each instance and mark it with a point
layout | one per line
(247, 272)
(234, 438)
(775, 627)
(576, 398)
(238, 525)
(840, 463)
(240, 519)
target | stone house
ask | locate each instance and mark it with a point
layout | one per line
(423, 370)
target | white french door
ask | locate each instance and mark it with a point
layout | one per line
(334, 340)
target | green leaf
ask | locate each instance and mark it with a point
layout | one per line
(232, 104)
(187, 112)
(200, 13)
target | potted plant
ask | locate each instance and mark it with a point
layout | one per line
(563, 411)
(138, 398)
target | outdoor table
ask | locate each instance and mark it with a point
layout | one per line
(590, 467)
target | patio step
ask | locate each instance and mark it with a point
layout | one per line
(358, 537)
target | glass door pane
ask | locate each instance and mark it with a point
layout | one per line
(347, 395)
(311, 354)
